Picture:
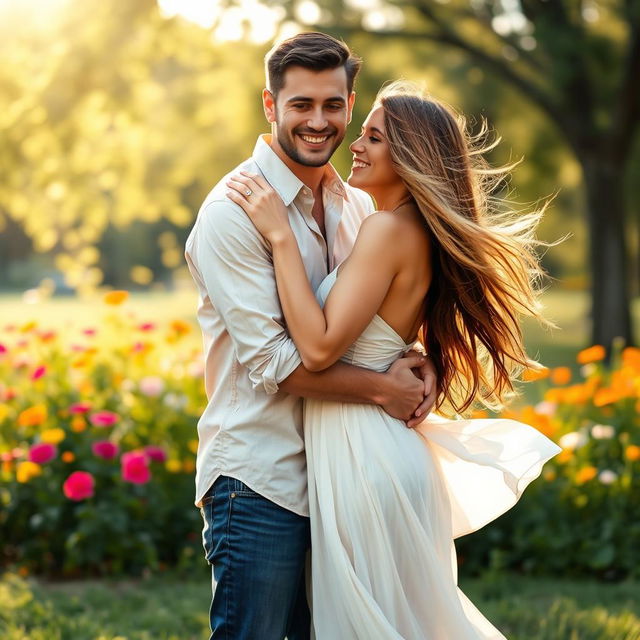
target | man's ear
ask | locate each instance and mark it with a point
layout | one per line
(269, 105)
(350, 103)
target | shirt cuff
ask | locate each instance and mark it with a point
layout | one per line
(281, 365)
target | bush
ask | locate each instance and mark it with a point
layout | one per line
(580, 518)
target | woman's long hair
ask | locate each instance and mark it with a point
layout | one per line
(485, 269)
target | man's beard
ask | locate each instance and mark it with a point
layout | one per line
(288, 145)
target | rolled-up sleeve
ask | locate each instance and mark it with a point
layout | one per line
(236, 269)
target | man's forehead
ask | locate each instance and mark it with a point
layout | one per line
(316, 85)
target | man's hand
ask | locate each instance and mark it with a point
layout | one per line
(429, 378)
(404, 392)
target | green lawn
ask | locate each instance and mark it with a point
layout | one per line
(173, 608)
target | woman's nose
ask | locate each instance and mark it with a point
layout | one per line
(356, 145)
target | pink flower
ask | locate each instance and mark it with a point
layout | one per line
(104, 418)
(157, 454)
(135, 467)
(3, 349)
(151, 386)
(39, 372)
(79, 485)
(105, 449)
(89, 332)
(80, 407)
(43, 452)
(146, 326)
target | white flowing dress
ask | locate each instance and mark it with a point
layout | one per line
(386, 503)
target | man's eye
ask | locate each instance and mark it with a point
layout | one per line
(301, 105)
(334, 107)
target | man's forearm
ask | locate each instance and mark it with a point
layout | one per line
(340, 382)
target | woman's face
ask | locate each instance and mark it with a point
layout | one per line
(372, 169)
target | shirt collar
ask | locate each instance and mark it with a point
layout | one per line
(283, 180)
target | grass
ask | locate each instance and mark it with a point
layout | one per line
(173, 608)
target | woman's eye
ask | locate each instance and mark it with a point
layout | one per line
(373, 139)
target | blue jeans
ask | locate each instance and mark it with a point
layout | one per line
(257, 550)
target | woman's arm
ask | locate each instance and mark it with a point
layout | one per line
(323, 335)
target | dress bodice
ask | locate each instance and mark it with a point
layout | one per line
(378, 346)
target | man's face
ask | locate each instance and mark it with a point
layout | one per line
(310, 114)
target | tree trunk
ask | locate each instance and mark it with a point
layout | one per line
(610, 312)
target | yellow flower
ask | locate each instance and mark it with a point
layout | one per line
(4, 411)
(476, 413)
(632, 452)
(593, 354)
(173, 466)
(68, 456)
(116, 297)
(53, 436)
(78, 424)
(32, 416)
(193, 446)
(180, 327)
(28, 326)
(27, 470)
(585, 474)
(561, 375)
(549, 475)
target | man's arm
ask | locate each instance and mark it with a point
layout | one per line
(398, 391)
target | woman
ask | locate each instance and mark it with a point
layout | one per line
(387, 501)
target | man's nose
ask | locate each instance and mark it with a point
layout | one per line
(317, 120)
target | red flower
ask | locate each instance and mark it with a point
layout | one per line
(105, 449)
(79, 485)
(3, 349)
(146, 326)
(80, 407)
(157, 454)
(104, 418)
(39, 372)
(135, 467)
(43, 452)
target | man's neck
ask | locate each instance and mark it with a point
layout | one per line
(311, 176)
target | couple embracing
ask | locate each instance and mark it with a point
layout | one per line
(318, 435)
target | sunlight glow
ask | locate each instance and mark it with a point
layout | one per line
(250, 19)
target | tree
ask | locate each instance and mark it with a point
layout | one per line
(579, 62)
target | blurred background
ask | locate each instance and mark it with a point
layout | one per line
(117, 118)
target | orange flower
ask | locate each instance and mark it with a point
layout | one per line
(32, 416)
(596, 353)
(585, 474)
(180, 327)
(531, 375)
(173, 466)
(78, 424)
(632, 452)
(631, 358)
(564, 456)
(188, 466)
(549, 475)
(607, 395)
(561, 375)
(116, 297)
(68, 456)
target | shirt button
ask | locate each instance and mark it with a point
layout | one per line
(233, 495)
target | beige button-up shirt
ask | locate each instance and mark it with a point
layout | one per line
(250, 430)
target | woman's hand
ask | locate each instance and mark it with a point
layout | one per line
(262, 204)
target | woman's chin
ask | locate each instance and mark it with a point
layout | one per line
(354, 181)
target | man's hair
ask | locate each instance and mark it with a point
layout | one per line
(314, 51)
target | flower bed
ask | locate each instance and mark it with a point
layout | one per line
(98, 441)
(97, 446)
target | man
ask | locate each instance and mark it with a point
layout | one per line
(251, 475)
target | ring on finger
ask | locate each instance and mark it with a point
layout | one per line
(248, 192)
